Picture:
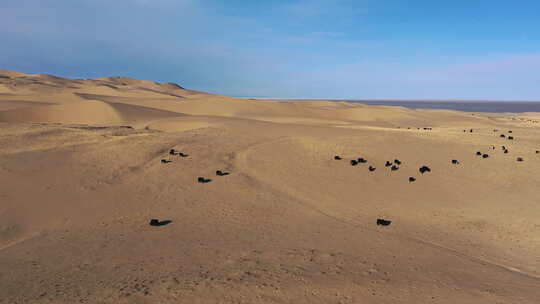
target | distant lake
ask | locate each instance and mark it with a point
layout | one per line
(467, 106)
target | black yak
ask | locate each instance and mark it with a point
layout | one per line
(383, 222)
(371, 169)
(221, 173)
(203, 180)
(412, 179)
(156, 222)
(394, 168)
(337, 157)
(455, 161)
(424, 169)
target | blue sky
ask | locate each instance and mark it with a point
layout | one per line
(414, 49)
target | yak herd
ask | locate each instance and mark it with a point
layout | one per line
(200, 179)
(393, 165)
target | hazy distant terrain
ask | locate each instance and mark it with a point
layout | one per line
(85, 164)
(458, 105)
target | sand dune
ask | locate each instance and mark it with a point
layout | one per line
(84, 112)
(85, 165)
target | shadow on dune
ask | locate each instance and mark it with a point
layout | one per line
(156, 222)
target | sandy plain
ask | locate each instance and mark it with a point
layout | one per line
(81, 176)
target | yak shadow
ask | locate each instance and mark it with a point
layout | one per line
(157, 223)
(221, 173)
(174, 152)
(383, 222)
(203, 180)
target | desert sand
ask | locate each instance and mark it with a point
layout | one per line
(81, 176)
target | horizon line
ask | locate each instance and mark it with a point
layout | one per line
(391, 99)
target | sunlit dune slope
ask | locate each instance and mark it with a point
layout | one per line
(259, 201)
